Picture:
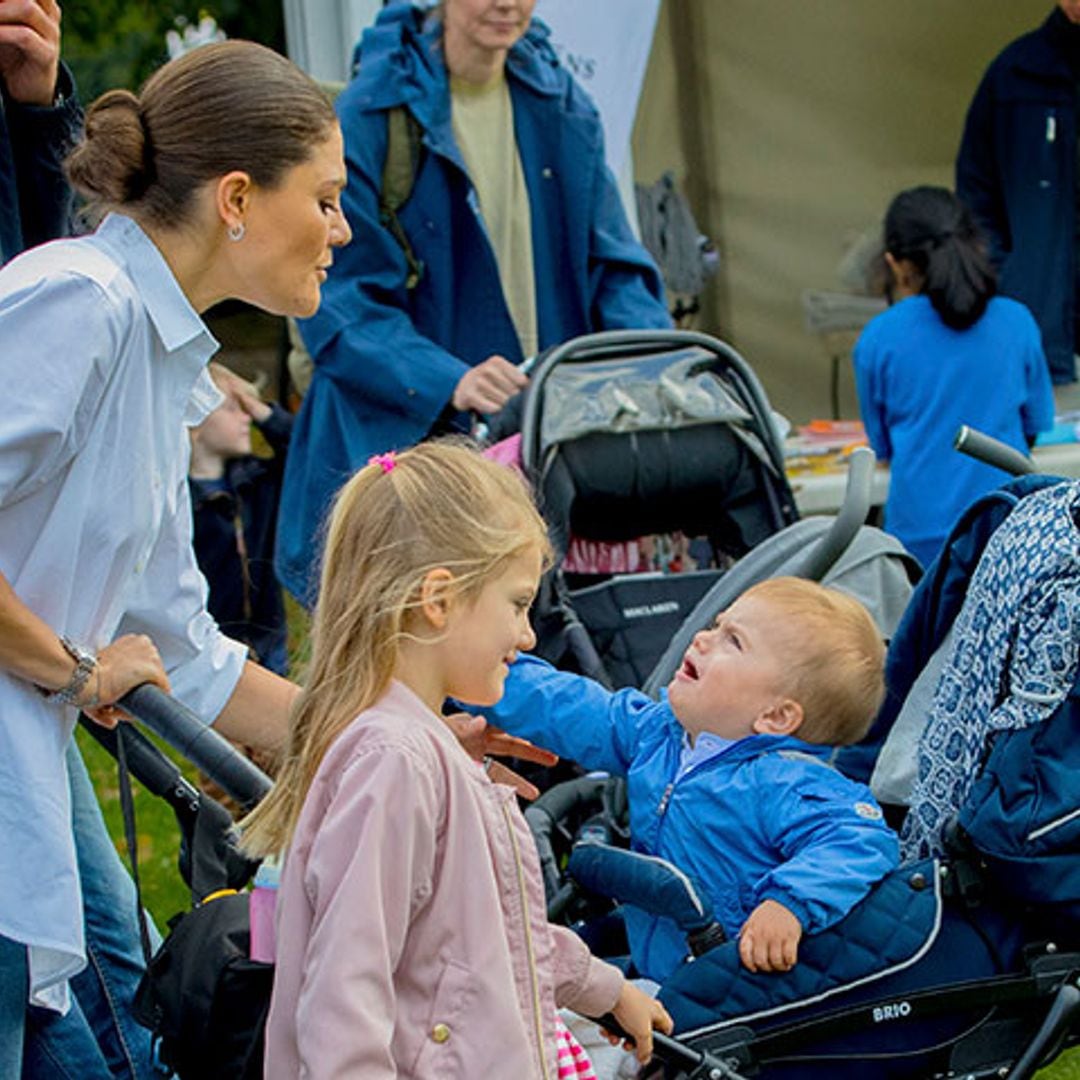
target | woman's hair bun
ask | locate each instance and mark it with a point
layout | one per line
(114, 161)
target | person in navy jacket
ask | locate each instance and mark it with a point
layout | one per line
(394, 364)
(728, 774)
(40, 118)
(234, 505)
(1016, 170)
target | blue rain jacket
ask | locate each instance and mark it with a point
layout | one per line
(387, 359)
(765, 819)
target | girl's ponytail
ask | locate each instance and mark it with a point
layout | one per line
(932, 229)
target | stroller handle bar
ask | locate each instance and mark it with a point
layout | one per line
(695, 1064)
(851, 517)
(992, 451)
(198, 742)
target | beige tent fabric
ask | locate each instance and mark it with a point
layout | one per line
(790, 125)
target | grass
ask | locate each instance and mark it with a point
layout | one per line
(1067, 1067)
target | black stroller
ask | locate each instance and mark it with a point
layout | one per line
(634, 433)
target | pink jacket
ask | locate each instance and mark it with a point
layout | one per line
(412, 938)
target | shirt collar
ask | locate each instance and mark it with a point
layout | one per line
(175, 320)
(179, 326)
(708, 746)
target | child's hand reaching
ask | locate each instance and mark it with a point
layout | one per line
(638, 1014)
(769, 939)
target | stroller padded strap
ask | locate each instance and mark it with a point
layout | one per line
(892, 928)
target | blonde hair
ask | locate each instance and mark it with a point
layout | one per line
(441, 504)
(834, 658)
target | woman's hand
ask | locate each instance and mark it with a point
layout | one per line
(769, 939)
(128, 662)
(638, 1015)
(487, 387)
(30, 50)
(481, 739)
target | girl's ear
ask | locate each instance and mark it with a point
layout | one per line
(783, 718)
(232, 194)
(907, 281)
(436, 597)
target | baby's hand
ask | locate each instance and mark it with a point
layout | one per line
(769, 939)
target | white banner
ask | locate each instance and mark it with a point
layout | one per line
(605, 45)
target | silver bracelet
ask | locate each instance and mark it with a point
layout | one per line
(85, 665)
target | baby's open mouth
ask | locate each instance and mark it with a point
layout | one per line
(688, 671)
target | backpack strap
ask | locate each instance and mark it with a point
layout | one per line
(403, 145)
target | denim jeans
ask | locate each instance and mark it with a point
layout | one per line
(98, 1037)
(14, 986)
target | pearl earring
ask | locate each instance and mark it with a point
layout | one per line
(236, 232)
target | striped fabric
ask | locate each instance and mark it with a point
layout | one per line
(574, 1063)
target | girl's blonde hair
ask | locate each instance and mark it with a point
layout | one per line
(440, 504)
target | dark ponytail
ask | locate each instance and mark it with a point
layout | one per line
(933, 230)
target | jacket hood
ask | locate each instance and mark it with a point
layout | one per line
(399, 60)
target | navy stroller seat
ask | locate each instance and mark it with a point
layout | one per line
(964, 965)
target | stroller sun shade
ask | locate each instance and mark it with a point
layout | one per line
(661, 392)
(653, 444)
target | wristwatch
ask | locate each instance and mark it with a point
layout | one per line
(85, 664)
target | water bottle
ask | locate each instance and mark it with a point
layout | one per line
(262, 900)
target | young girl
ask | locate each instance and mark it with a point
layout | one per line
(948, 352)
(412, 935)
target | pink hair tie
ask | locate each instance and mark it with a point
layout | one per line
(385, 461)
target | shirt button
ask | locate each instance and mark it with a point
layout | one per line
(411, 391)
(440, 1033)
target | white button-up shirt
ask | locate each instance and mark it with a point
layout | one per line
(102, 368)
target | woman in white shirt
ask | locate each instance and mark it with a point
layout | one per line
(222, 180)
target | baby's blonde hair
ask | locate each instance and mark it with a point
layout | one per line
(834, 658)
(440, 504)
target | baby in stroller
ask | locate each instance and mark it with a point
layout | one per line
(729, 775)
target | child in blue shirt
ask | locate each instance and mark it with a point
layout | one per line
(728, 774)
(947, 353)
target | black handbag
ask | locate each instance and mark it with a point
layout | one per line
(205, 997)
